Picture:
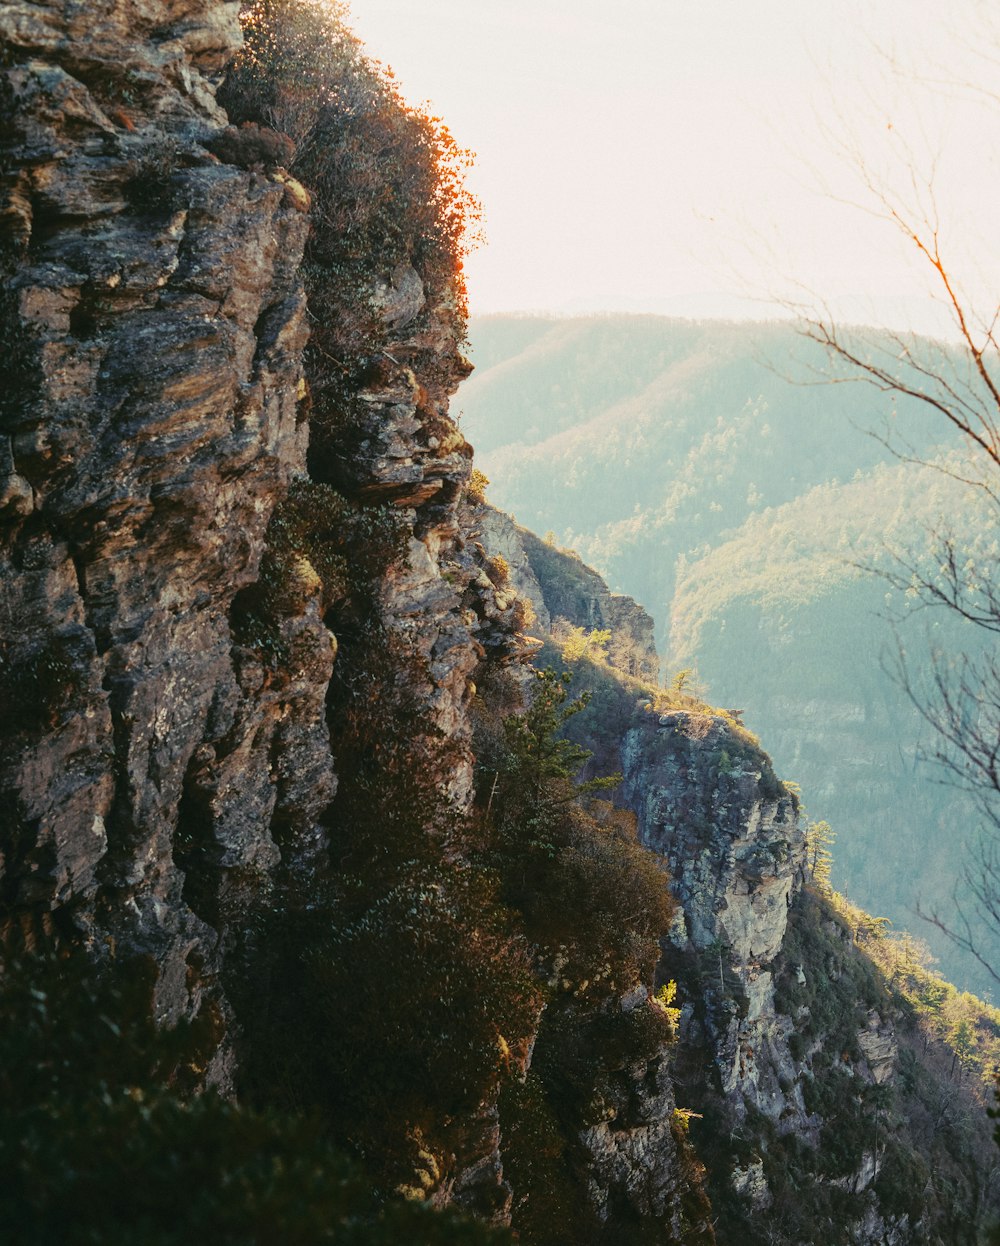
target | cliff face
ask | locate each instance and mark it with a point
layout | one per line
(245, 612)
(708, 803)
(854, 743)
(799, 1058)
(151, 762)
(169, 736)
(795, 1057)
(562, 590)
(152, 420)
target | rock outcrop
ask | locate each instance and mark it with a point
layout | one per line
(150, 424)
(790, 1042)
(161, 762)
(561, 588)
(708, 802)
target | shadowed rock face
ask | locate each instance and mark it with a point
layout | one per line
(154, 773)
(157, 323)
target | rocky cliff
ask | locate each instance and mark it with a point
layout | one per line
(168, 645)
(242, 615)
(153, 418)
(811, 1083)
(563, 591)
(270, 751)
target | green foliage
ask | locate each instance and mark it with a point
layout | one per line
(966, 1025)
(610, 707)
(902, 1178)
(680, 681)
(840, 985)
(820, 838)
(542, 759)
(391, 1011)
(615, 891)
(578, 643)
(101, 1141)
(664, 1001)
(167, 1173)
(592, 899)
(81, 1031)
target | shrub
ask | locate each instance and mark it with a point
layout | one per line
(475, 490)
(498, 570)
(153, 186)
(599, 902)
(388, 190)
(99, 1144)
(317, 545)
(593, 901)
(392, 1008)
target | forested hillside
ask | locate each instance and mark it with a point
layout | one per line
(717, 473)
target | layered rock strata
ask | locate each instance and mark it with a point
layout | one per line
(157, 767)
(153, 299)
(155, 319)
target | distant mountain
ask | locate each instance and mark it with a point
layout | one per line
(715, 473)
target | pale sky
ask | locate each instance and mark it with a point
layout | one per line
(677, 156)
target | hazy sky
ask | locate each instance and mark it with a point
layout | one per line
(676, 156)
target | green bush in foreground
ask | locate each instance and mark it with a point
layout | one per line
(99, 1144)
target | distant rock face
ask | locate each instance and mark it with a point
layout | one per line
(703, 803)
(559, 586)
(751, 1051)
(709, 804)
(500, 535)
